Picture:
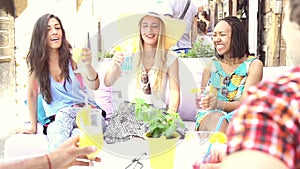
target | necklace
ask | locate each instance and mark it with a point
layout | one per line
(145, 80)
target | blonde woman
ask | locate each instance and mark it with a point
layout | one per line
(155, 68)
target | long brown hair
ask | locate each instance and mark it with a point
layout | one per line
(38, 56)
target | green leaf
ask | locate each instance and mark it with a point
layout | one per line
(199, 50)
(159, 123)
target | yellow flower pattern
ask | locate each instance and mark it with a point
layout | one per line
(236, 79)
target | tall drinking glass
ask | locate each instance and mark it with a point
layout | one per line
(201, 93)
(127, 51)
(90, 125)
(127, 64)
(77, 55)
(77, 51)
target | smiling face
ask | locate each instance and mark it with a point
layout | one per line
(150, 30)
(54, 35)
(222, 38)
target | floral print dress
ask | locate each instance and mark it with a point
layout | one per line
(230, 86)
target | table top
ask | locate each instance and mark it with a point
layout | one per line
(121, 155)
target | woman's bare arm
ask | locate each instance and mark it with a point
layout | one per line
(174, 93)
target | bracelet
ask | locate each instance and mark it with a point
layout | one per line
(91, 80)
(49, 162)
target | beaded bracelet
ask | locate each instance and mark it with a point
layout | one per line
(49, 162)
(91, 80)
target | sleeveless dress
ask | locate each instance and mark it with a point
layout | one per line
(230, 86)
(67, 102)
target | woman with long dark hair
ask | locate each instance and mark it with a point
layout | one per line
(51, 73)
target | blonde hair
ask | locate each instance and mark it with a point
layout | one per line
(160, 58)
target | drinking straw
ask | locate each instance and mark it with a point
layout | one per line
(85, 97)
(226, 116)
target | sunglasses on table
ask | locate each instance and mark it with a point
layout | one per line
(146, 82)
(135, 163)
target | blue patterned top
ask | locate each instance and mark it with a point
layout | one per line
(230, 86)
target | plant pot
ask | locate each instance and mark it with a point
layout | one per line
(162, 151)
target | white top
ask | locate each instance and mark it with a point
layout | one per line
(158, 98)
(178, 7)
(157, 6)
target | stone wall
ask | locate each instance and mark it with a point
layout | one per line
(7, 37)
(274, 45)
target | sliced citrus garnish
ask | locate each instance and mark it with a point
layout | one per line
(218, 137)
(118, 48)
(77, 54)
(195, 90)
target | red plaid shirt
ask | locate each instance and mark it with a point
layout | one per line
(269, 120)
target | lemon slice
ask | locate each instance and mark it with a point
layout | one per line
(218, 137)
(195, 90)
(77, 54)
(118, 48)
(207, 89)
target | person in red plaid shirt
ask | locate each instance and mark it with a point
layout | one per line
(265, 131)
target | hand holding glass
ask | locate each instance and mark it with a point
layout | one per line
(82, 56)
(90, 124)
(77, 54)
(200, 142)
(204, 98)
(126, 53)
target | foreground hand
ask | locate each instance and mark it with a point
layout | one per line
(69, 154)
(214, 160)
(209, 102)
(118, 58)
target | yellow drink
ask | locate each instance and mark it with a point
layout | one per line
(91, 139)
(77, 54)
(90, 125)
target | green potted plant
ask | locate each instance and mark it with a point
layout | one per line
(160, 123)
(106, 54)
(162, 136)
(199, 50)
(201, 54)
